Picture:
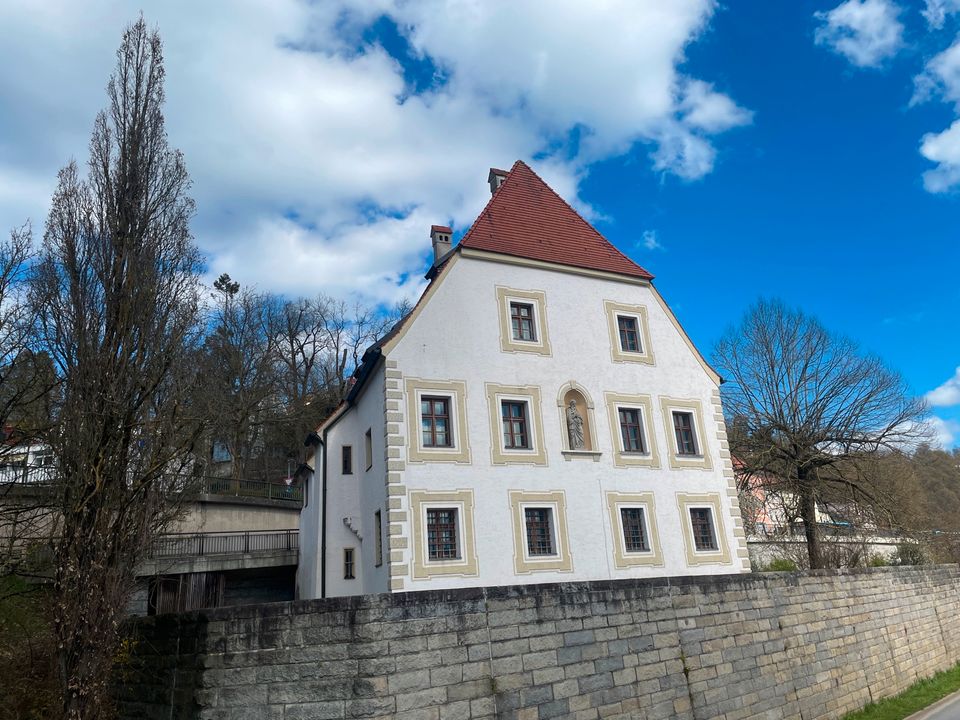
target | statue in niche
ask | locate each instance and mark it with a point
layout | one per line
(574, 426)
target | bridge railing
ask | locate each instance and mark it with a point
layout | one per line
(39, 476)
(250, 488)
(182, 545)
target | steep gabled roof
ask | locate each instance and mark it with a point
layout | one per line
(526, 218)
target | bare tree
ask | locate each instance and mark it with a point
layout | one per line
(813, 411)
(116, 289)
(240, 366)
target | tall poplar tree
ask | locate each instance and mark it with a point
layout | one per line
(117, 293)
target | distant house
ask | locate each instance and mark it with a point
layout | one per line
(539, 416)
(775, 527)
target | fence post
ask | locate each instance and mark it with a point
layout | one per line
(246, 542)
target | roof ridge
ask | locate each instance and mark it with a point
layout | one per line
(574, 211)
(523, 179)
(490, 202)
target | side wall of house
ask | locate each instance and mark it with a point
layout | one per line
(456, 340)
(353, 500)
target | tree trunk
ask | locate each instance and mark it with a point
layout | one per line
(808, 511)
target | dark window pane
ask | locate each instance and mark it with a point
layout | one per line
(347, 460)
(629, 334)
(514, 425)
(634, 530)
(539, 531)
(683, 427)
(631, 431)
(435, 419)
(704, 538)
(521, 322)
(442, 535)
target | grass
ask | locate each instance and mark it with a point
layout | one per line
(918, 696)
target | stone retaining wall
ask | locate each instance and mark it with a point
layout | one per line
(784, 645)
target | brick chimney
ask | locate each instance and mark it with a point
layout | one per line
(440, 237)
(496, 178)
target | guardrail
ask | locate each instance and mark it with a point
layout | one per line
(250, 488)
(224, 543)
(38, 476)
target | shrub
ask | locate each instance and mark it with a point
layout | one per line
(781, 565)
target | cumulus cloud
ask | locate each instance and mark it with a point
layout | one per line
(941, 78)
(318, 164)
(944, 433)
(946, 394)
(650, 240)
(866, 32)
(943, 149)
(936, 12)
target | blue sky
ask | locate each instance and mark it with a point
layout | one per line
(800, 150)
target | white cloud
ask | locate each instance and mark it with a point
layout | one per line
(944, 150)
(866, 32)
(941, 75)
(936, 12)
(650, 240)
(316, 166)
(941, 78)
(944, 433)
(946, 394)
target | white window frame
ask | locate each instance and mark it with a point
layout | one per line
(713, 528)
(537, 299)
(618, 354)
(455, 391)
(424, 513)
(644, 428)
(702, 459)
(529, 396)
(623, 559)
(555, 502)
(460, 500)
(554, 540)
(623, 531)
(704, 501)
(622, 457)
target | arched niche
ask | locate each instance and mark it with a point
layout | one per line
(575, 392)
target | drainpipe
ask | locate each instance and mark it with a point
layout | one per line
(323, 517)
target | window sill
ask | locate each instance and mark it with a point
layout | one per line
(582, 454)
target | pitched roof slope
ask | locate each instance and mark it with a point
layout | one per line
(526, 218)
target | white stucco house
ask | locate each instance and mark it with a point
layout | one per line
(540, 416)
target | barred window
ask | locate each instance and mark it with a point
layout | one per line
(704, 537)
(442, 534)
(634, 530)
(539, 526)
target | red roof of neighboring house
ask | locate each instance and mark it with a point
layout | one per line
(526, 218)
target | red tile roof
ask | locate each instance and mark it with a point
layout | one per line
(526, 218)
(440, 228)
